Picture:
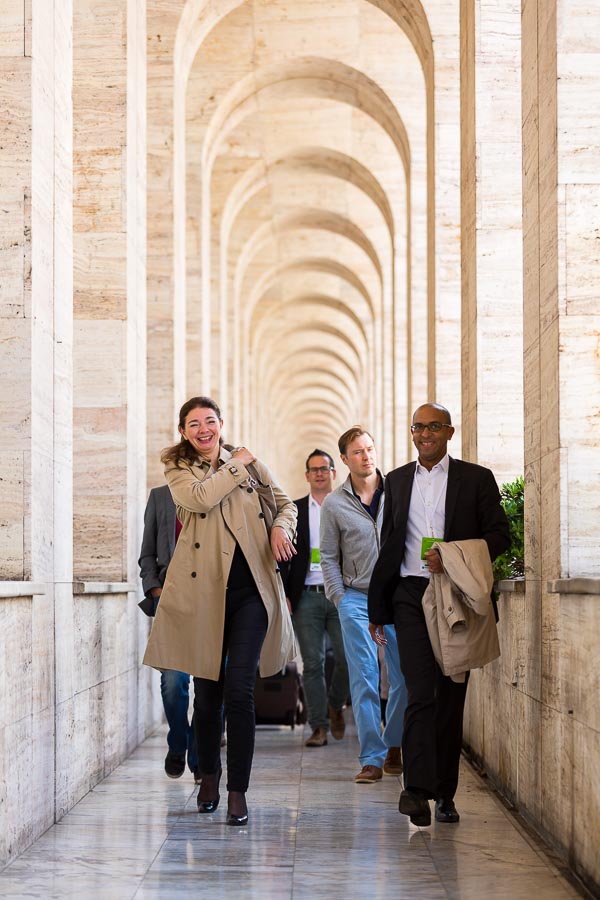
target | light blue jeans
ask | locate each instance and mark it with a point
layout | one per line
(363, 668)
(175, 692)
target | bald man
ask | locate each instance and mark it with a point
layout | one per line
(436, 498)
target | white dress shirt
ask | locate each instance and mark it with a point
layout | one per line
(426, 515)
(313, 576)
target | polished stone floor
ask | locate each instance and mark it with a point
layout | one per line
(313, 833)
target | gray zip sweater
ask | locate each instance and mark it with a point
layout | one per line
(349, 541)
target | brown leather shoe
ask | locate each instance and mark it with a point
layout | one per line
(368, 775)
(337, 726)
(393, 761)
(317, 739)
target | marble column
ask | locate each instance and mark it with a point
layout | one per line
(492, 236)
(166, 363)
(36, 327)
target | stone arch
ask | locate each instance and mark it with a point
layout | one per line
(307, 76)
(303, 218)
(314, 264)
(322, 301)
(410, 18)
(316, 159)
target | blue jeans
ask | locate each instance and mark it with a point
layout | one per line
(314, 616)
(175, 691)
(363, 667)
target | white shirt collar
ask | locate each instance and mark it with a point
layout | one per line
(443, 465)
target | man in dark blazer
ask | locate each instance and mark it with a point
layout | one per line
(435, 498)
(161, 530)
(313, 614)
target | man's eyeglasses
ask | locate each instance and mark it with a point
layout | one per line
(319, 470)
(433, 427)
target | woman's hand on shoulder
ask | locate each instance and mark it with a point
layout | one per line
(244, 455)
(282, 547)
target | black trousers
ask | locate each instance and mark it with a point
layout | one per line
(245, 630)
(433, 720)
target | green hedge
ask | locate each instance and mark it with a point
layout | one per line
(511, 563)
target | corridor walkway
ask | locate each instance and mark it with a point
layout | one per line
(313, 834)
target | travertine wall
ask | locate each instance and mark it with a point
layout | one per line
(15, 297)
(492, 282)
(533, 716)
(99, 295)
(73, 698)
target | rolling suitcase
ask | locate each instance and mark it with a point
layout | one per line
(279, 699)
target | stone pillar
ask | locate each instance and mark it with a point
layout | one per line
(36, 257)
(492, 236)
(560, 217)
(561, 210)
(163, 229)
(101, 690)
(443, 151)
(100, 288)
(578, 221)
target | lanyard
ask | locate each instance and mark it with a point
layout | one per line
(429, 519)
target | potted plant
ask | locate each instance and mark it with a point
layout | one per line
(511, 563)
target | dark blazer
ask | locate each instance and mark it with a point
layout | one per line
(472, 510)
(158, 543)
(294, 572)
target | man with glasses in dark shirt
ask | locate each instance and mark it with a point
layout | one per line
(314, 616)
(438, 498)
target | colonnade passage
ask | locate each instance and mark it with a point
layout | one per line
(320, 213)
(312, 833)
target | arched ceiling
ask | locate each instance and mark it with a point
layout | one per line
(303, 177)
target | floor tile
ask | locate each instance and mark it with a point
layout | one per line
(312, 833)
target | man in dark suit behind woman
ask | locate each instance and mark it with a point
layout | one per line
(444, 499)
(161, 530)
(313, 614)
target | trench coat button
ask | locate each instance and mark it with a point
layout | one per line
(250, 490)
(233, 470)
(197, 545)
(202, 515)
(193, 574)
(277, 571)
(261, 515)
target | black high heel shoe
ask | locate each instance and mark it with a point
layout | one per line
(209, 806)
(233, 818)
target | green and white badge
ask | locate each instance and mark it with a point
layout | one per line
(315, 560)
(426, 544)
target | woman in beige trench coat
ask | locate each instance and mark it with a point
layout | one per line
(222, 610)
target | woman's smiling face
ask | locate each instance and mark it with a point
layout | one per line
(203, 429)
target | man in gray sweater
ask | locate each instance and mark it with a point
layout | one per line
(351, 518)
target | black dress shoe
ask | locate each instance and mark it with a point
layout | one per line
(174, 764)
(445, 811)
(416, 806)
(210, 805)
(237, 800)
